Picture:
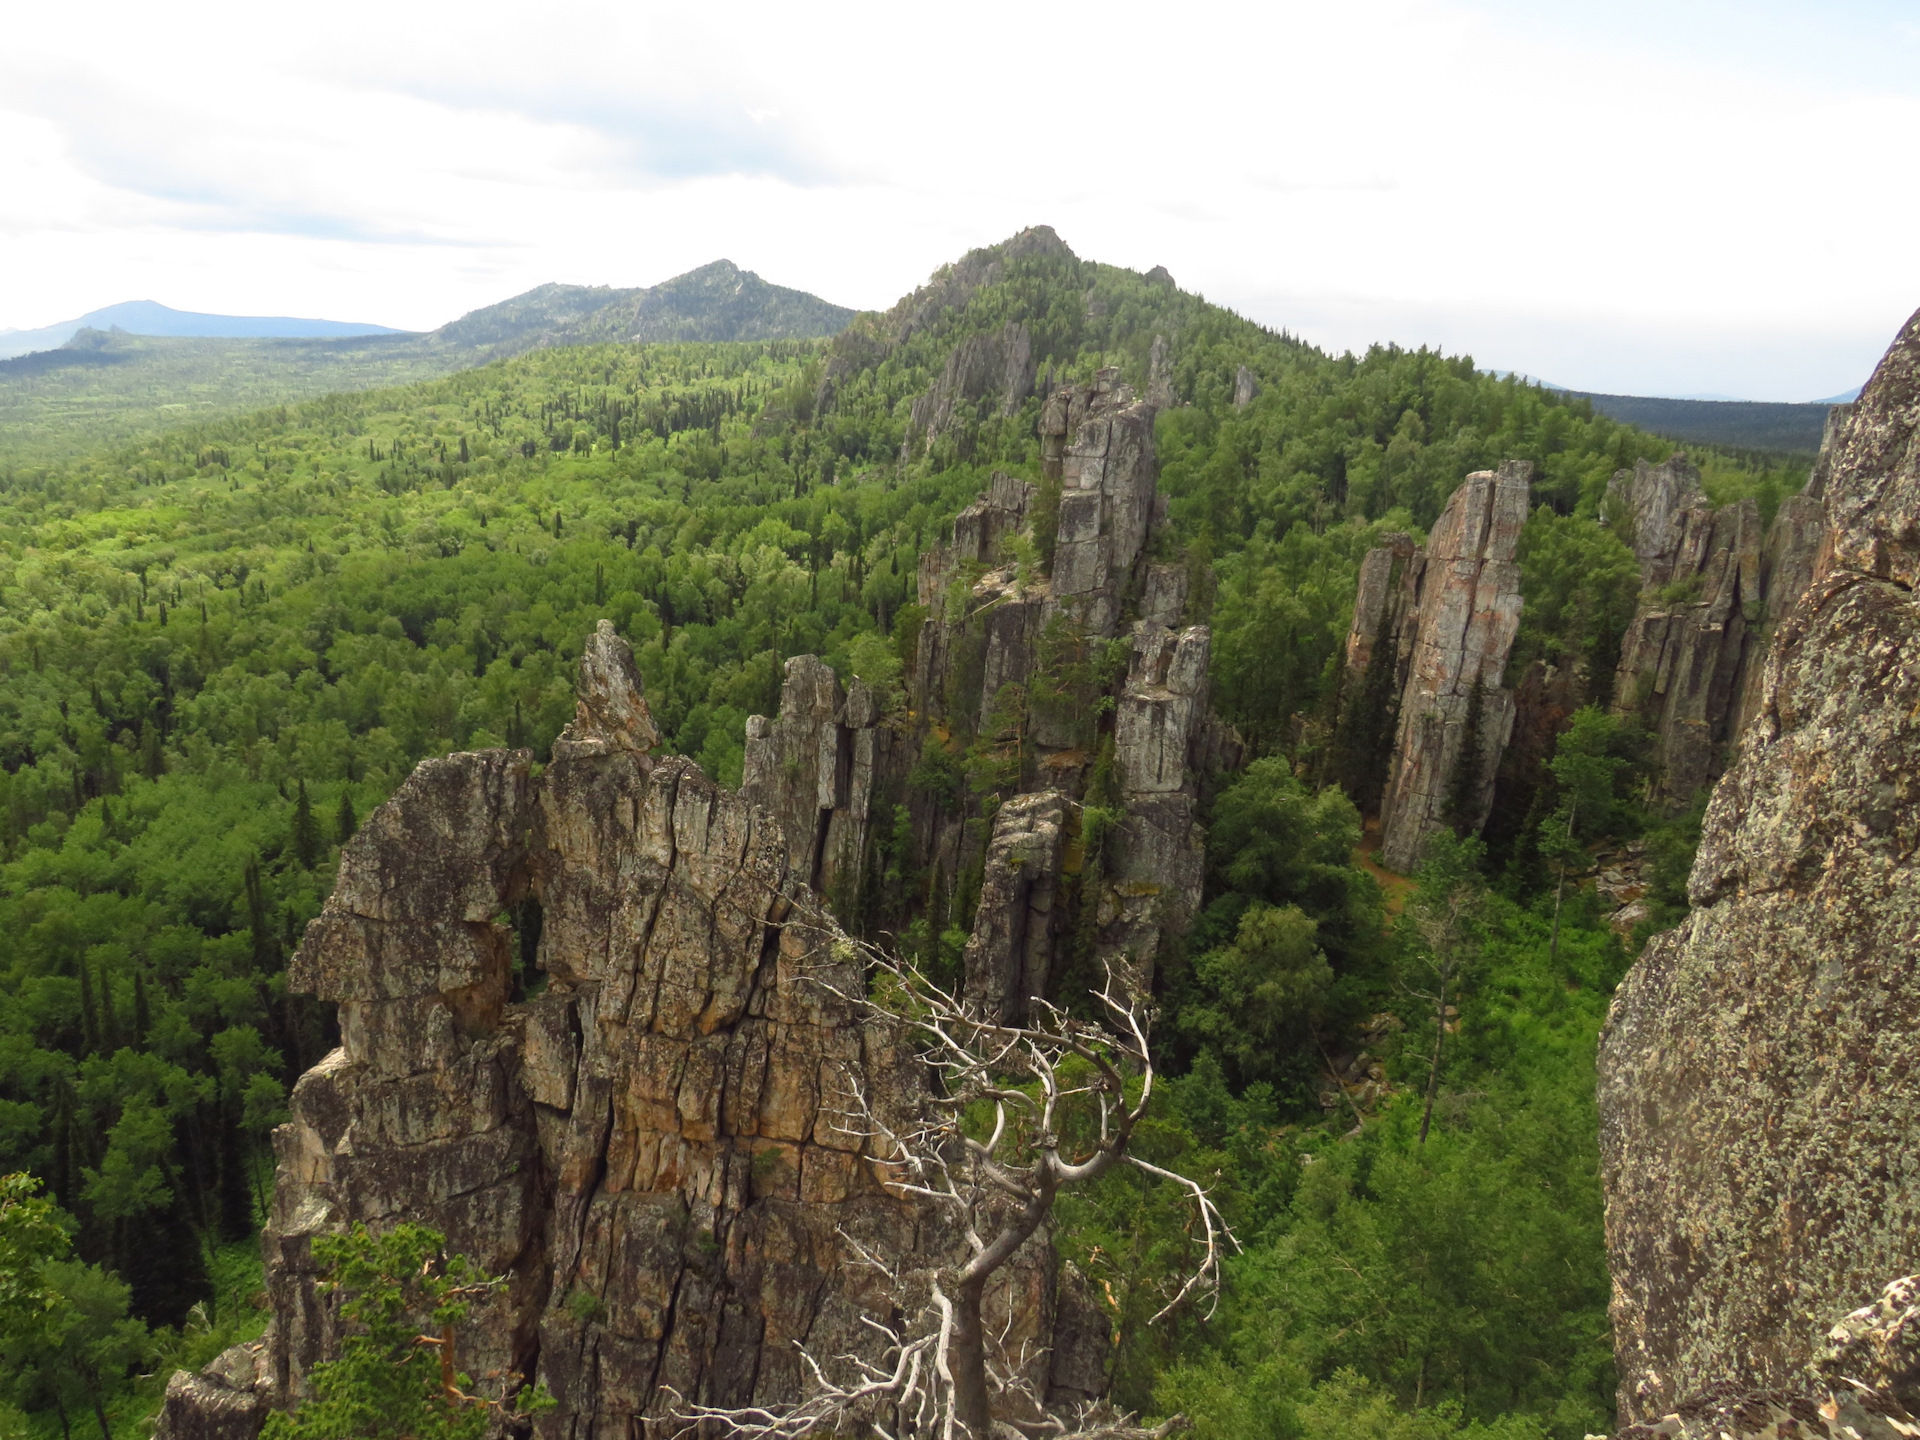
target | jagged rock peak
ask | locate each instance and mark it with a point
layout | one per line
(1648, 506)
(650, 1148)
(610, 709)
(1460, 614)
(1756, 1105)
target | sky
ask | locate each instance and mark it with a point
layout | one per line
(1684, 197)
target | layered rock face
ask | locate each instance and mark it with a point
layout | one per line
(649, 1147)
(815, 767)
(1714, 589)
(1682, 657)
(1758, 1102)
(997, 640)
(997, 367)
(1449, 614)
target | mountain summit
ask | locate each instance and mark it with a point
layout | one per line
(719, 301)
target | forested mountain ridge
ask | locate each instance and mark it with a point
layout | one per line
(104, 386)
(223, 644)
(719, 301)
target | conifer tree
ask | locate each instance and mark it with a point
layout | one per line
(308, 845)
(345, 822)
(266, 948)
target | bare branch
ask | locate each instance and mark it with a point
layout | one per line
(941, 1373)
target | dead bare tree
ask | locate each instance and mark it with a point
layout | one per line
(1015, 1115)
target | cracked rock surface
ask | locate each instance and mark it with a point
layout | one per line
(649, 1143)
(1758, 1095)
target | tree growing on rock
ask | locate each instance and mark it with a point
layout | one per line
(398, 1371)
(1015, 1115)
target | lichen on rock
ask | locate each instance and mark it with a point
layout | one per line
(1757, 1103)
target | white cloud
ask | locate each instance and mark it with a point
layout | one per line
(1405, 170)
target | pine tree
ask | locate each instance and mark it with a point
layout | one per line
(89, 1017)
(345, 822)
(266, 948)
(109, 1022)
(142, 1014)
(308, 845)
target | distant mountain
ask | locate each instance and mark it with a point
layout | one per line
(1736, 424)
(149, 317)
(719, 301)
(106, 380)
(1845, 397)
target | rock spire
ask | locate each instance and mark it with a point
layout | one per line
(1447, 615)
(640, 1134)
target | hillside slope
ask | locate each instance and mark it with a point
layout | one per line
(103, 386)
(225, 644)
(1730, 424)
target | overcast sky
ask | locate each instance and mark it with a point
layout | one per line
(1639, 196)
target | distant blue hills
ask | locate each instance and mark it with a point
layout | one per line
(149, 317)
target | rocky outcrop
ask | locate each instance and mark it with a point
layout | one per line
(816, 768)
(1245, 388)
(1097, 441)
(648, 1145)
(996, 367)
(1714, 589)
(228, 1400)
(1160, 368)
(1684, 652)
(1451, 611)
(997, 662)
(1757, 1095)
(1865, 1384)
(1011, 949)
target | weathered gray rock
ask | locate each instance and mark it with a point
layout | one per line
(228, 1400)
(1010, 952)
(609, 710)
(1682, 659)
(1101, 440)
(1245, 388)
(1160, 370)
(1864, 1383)
(996, 367)
(1757, 1101)
(650, 1148)
(816, 768)
(1157, 869)
(1460, 604)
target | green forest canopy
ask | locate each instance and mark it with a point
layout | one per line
(222, 644)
